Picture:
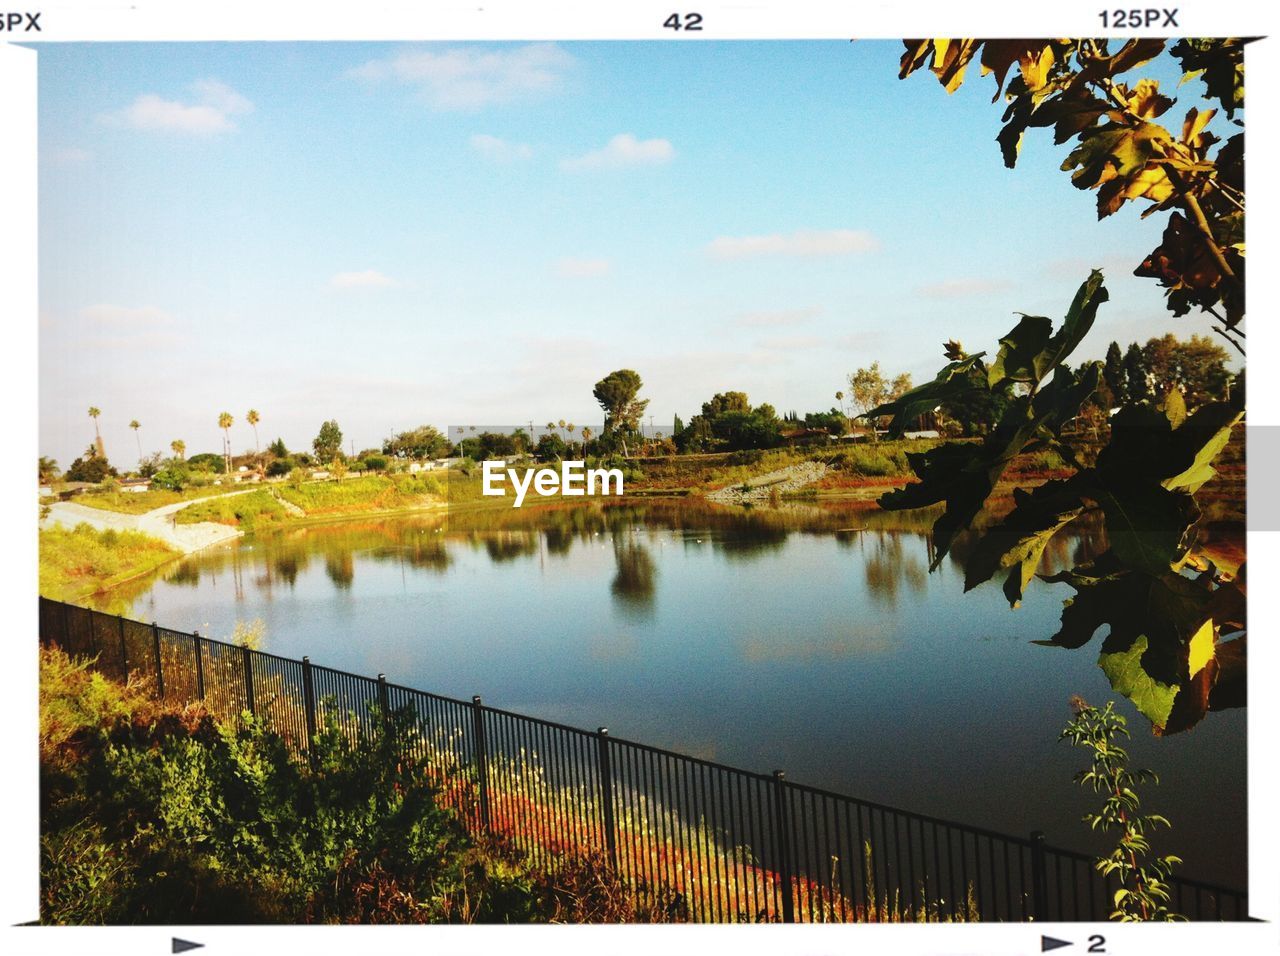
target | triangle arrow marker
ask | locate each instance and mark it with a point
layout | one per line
(1048, 942)
(182, 945)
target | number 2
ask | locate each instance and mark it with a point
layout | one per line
(1097, 944)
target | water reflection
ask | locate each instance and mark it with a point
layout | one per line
(634, 585)
(807, 637)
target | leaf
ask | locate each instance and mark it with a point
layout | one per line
(1230, 690)
(1018, 542)
(1021, 352)
(1030, 350)
(1197, 442)
(1148, 526)
(950, 383)
(1124, 669)
(1175, 408)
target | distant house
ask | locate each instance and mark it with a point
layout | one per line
(245, 476)
(927, 433)
(69, 488)
(319, 474)
(135, 485)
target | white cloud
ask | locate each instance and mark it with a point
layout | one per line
(215, 103)
(468, 79)
(368, 279)
(623, 150)
(963, 288)
(123, 316)
(777, 318)
(500, 150)
(802, 243)
(68, 156)
(583, 268)
(793, 343)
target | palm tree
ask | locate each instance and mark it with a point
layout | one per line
(179, 447)
(571, 426)
(135, 425)
(253, 418)
(94, 412)
(586, 437)
(562, 424)
(224, 422)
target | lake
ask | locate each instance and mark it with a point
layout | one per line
(806, 638)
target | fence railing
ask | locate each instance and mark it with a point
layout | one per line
(705, 841)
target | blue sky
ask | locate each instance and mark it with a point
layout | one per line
(392, 234)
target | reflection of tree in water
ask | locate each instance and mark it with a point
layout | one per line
(633, 586)
(341, 569)
(888, 567)
(509, 546)
(184, 574)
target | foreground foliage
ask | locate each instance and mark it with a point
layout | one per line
(1144, 889)
(162, 816)
(1167, 606)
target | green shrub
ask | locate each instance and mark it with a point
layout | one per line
(168, 818)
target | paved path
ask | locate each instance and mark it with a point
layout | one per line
(157, 523)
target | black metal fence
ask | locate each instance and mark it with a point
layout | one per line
(707, 842)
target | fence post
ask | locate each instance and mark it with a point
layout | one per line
(1039, 878)
(66, 628)
(606, 794)
(309, 708)
(155, 640)
(482, 759)
(384, 702)
(782, 826)
(199, 666)
(124, 653)
(248, 679)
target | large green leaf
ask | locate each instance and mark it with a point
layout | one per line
(1149, 527)
(1124, 668)
(1031, 349)
(1017, 543)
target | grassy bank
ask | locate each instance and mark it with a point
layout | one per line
(82, 561)
(140, 502)
(280, 504)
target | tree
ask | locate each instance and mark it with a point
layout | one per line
(417, 444)
(617, 394)
(148, 465)
(253, 418)
(550, 447)
(48, 470)
(868, 388)
(328, 442)
(1113, 373)
(93, 469)
(135, 425)
(728, 421)
(225, 422)
(278, 449)
(94, 412)
(178, 447)
(1196, 367)
(1123, 153)
(1136, 385)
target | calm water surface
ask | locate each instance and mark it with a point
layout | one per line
(807, 639)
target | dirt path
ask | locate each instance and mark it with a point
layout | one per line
(157, 523)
